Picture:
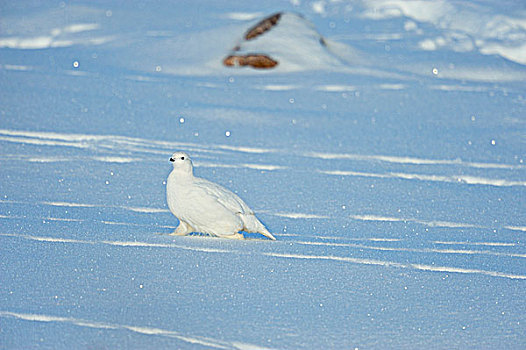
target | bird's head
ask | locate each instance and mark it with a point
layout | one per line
(182, 162)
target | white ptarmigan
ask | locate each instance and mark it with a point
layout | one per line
(206, 207)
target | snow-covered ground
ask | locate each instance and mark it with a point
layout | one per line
(385, 152)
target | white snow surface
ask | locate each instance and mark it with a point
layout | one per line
(389, 163)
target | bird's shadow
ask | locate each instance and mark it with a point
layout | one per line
(247, 236)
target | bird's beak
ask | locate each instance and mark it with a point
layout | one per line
(172, 160)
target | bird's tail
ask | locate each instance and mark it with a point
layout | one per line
(253, 225)
(267, 234)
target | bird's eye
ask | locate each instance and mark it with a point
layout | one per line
(182, 158)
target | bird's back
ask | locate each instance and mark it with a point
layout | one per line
(235, 205)
(225, 197)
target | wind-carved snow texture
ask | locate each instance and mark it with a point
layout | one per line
(389, 165)
(463, 27)
(490, 28)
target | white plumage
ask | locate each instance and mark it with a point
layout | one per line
(206, 207)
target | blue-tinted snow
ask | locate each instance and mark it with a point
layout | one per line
(391, 170)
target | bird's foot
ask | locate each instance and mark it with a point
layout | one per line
(175, 233)
(182, 230)
(235, 236)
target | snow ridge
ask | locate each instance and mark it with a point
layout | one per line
(359, 261)
(207, 342)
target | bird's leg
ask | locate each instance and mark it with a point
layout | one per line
(235, 236)
(182, 230)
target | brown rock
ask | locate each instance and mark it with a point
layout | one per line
(262, 26)
(254, 60)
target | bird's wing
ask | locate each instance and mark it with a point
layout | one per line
(224, 196)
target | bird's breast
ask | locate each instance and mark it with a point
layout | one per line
(177, 192)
